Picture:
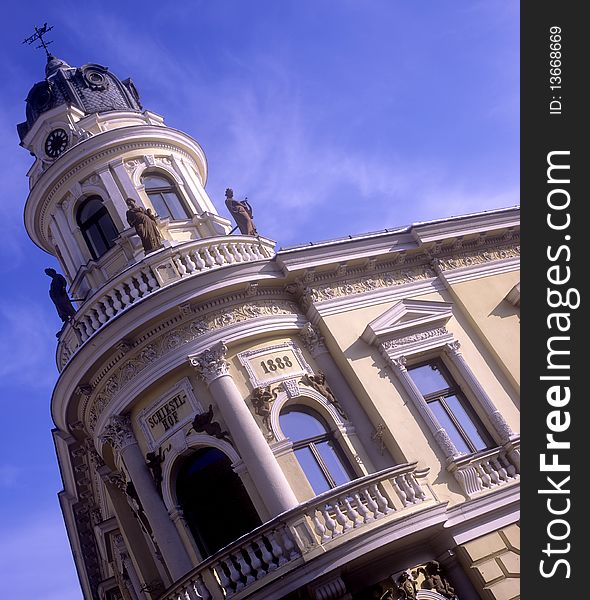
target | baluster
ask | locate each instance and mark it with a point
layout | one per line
(490, 469)
(244, 567)
(229, 259)
(190, 265)
(125, 299)
(198, 260)
(190, 592)
(500, 470)
(151, 280)
(107, 305)
(201, 588)
(243, 253)
(234, 575)
(209, 260)
(510, 468)
(408, 488)
(319, 528)
(223, 579)
(100, 312)
(267, 557)
(277, 549)
(288, 544)
(330, 523)
(400, 491)
(85, 329)
(93, 320)
(178, 262)
(381, 500)
(362, 509)
(340, 518)
(217, 255)
(352, 513)
(133, 291)
(143, 287)
(485, 478)
(420, 493)
(371, 504)
(117, 306)
(255, 561)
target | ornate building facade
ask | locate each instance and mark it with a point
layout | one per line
(332, 421)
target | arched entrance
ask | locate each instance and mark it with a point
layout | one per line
(214, 501)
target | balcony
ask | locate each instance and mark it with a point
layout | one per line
(152, 274)
(325, 527)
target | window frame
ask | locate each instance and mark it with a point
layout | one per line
(93, 223)
(171, 188)
(311, 441)
(454, 389)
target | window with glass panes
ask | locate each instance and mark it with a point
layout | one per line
(449, 405)
(96, 226)
(165, 198)
(316, 450)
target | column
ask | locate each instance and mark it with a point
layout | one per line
(314, 343)
(249, 441)
(119, 435)
(496, 419)
(440, 435)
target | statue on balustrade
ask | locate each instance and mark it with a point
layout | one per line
(59, 296)
(146, 226)
(241, 211)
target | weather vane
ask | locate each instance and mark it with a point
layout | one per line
(38, 35)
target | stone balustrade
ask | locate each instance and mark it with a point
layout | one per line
(488, 469)
(153, 273)
(296, 536)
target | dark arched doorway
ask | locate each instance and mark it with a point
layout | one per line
(214, 501)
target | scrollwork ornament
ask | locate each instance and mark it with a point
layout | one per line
(312, 339)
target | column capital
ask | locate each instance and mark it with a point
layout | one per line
(118, 432)
(398, 363)
(211, 363)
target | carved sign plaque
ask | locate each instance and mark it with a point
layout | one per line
(275, 363)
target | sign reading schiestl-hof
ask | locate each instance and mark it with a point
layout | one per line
(172, 411)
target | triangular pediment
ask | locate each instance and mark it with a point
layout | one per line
(407, 316)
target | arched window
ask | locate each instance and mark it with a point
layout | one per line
(214, 501)
(165, 198)
(96, 226)
(314, 445)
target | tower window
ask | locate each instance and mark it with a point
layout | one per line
(165, 198)
(96, 226)
(450, 407)
(318, 453)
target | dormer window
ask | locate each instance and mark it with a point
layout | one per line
(96, 226)
(165, 198)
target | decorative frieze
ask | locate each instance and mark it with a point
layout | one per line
(477, 257)
(415, 337)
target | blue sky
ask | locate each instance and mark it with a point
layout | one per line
(334, 117)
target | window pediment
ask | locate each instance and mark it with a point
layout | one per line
(409, 321)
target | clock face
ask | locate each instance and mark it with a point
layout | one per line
(56, 143)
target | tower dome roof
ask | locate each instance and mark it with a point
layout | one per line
(92, 88)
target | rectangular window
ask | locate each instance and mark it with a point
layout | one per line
(449, 405)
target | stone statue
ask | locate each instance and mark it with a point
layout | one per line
(262, 398)
(146, 226)
(204, 422)
(407, 586)
(435, 580)
(241, 211)
(318, 383)
(59, 295)
(154, 462)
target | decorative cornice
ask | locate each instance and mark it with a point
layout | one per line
(477, 257)
(132, 364)
(211, 363)
(416, 337)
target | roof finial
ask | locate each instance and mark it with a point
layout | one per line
(38, 35)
